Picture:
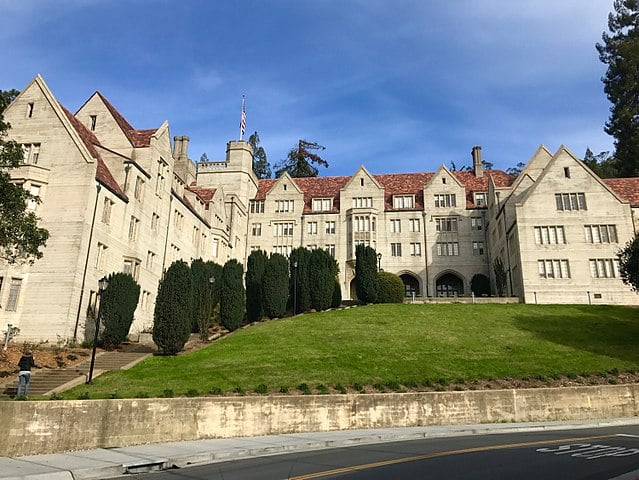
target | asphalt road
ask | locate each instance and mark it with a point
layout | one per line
(601, 453)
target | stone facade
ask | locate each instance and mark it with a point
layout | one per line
(115, 198)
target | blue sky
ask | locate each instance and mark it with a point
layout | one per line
(396, 86)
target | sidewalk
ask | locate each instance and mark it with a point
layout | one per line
(112, 462)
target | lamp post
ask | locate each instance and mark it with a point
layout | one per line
(379, 262)
(294, 288)
(103, 283)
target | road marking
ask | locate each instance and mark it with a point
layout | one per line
(426, 456)
(627, 435)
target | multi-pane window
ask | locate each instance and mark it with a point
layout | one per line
(256, 229)
(155, 222)
(551, 234)
(311, 228)
(283, 249)
(414, 224)
(570, 201)
(14, 294)
(145, 300)
(106, 210)
(443, 200)
(330, 227)
(364, 223)
(600, 233)
(396, 225)
(330, 248)
(362, 202)
(163, 169)
(311, 246)
(552, 268)
(478, 248)
(150, 260)
(480, 199)
(284, 229)
(100, 259)
(132, 267)
(604, 267)
(403, 201)
(446, 224)
(447, 249)
(322, 204)
(30, 153)
(195, 239)
(476, 223)
(138, 193)
(256, 206)
(415, 249)
(178, 220)
(396, 249)
(283, 206)
(216, 247)
(133, 228)
(34, 191)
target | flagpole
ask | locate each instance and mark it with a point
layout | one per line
(242, 120)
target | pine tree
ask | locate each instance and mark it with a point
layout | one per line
(232, 295)
(299, 161)
(366, 282)
(261, 167)
(620, 51)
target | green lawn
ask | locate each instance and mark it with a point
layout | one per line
(406, 344)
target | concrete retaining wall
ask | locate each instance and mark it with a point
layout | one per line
(56, 426)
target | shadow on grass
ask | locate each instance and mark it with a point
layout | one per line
(603, 330)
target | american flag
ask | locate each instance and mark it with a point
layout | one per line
(242, 120)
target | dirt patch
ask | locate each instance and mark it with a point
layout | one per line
(44, 356)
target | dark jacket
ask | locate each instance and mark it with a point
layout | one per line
(25, 363)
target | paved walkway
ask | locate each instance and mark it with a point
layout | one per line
(113, 462)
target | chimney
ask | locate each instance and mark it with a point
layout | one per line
(181, 148)
(478, 167)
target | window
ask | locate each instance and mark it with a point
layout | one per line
(403, 201)
(216, 246)
(256, 206)
(139, 188)
(600, 233)
(476, 223)
(545, 235)
(34, 191)
(256, 229)
(283, 206)
(163, 169)
(322, 204)
(414, 225)
(311, 228)
(30, 109)
(106, 210)
(362, 202)
(133, 228)
(178, 220)
(396, 249)
(363, 223)
(443, 200)
(311, 246)
(100, 259)
(155, 222)
(195, 239)
(145, 300)
(284, 229)
(30, 153)
(396, 225)
(330, 248)
(415, 249)
(175, 253)
(282, 249)
(604, 267)
(132, 267)
(446, 224)
(553, 268)
(480, 199)
(447, 249)
(330, 227)
(478, 248)
(94, 121)
(14, 294)
(150, 260)
(570, 201)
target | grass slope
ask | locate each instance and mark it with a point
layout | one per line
(407, 344)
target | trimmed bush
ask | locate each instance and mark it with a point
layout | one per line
(173, 315)
(255, 267)
(232, 295)
(300, 277)
(480, 285)
(322, 272)
(203, 296)
(337, 295)
(391, 288)
(366, 284)
(275, 286)
(117, 306)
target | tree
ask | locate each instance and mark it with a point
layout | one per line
(232, 295)
(20, 236)
(337, 294)
(255, 267)
(204, 158)
(500, 276)
(322, 269)
(299, 279)
(480, 284)
(173, 309)
(620, 51)
(603, 164)
(391, 288)
(366, 282)
(516, 171)
(275, 286)
(299, 161)
(629, 263)
(117, 306)
(261, 167)
(204, 298)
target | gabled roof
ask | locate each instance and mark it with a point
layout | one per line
(626, 188)
(204, 193)
(138, 138)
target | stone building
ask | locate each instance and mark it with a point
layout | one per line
(115, 198)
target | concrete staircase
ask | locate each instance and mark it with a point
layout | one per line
(46, 381)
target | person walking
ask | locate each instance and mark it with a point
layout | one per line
(24, 375)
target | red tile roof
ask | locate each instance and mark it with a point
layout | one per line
(393, 184)
(205, 194)
(626, 188)
(138, 138)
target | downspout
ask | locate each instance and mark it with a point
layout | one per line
(510, 280)
(424, 215)
(168, 227)
(86, 263)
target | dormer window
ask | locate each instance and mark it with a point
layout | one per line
(403, 201)
(322, 204)
(480, 199)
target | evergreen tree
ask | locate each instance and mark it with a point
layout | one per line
(620, 51)
(500, 276)
(20, 236)
(275, 286)
(603, 164)
(391, 288)
(204, 280)
(322, 272)
(366, 282)
(173, 309)
(261, 167)
(299, 279)
(299, 161)
(629, 263)
(255, 267)
(337, 294)
(232, 295)
(117, 306)
(480, 285)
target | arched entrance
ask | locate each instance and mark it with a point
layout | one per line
(449, 285)
(411, 285)
(353, 290)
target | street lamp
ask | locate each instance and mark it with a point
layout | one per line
(103, 283)
(379, 262)
(294, 288)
